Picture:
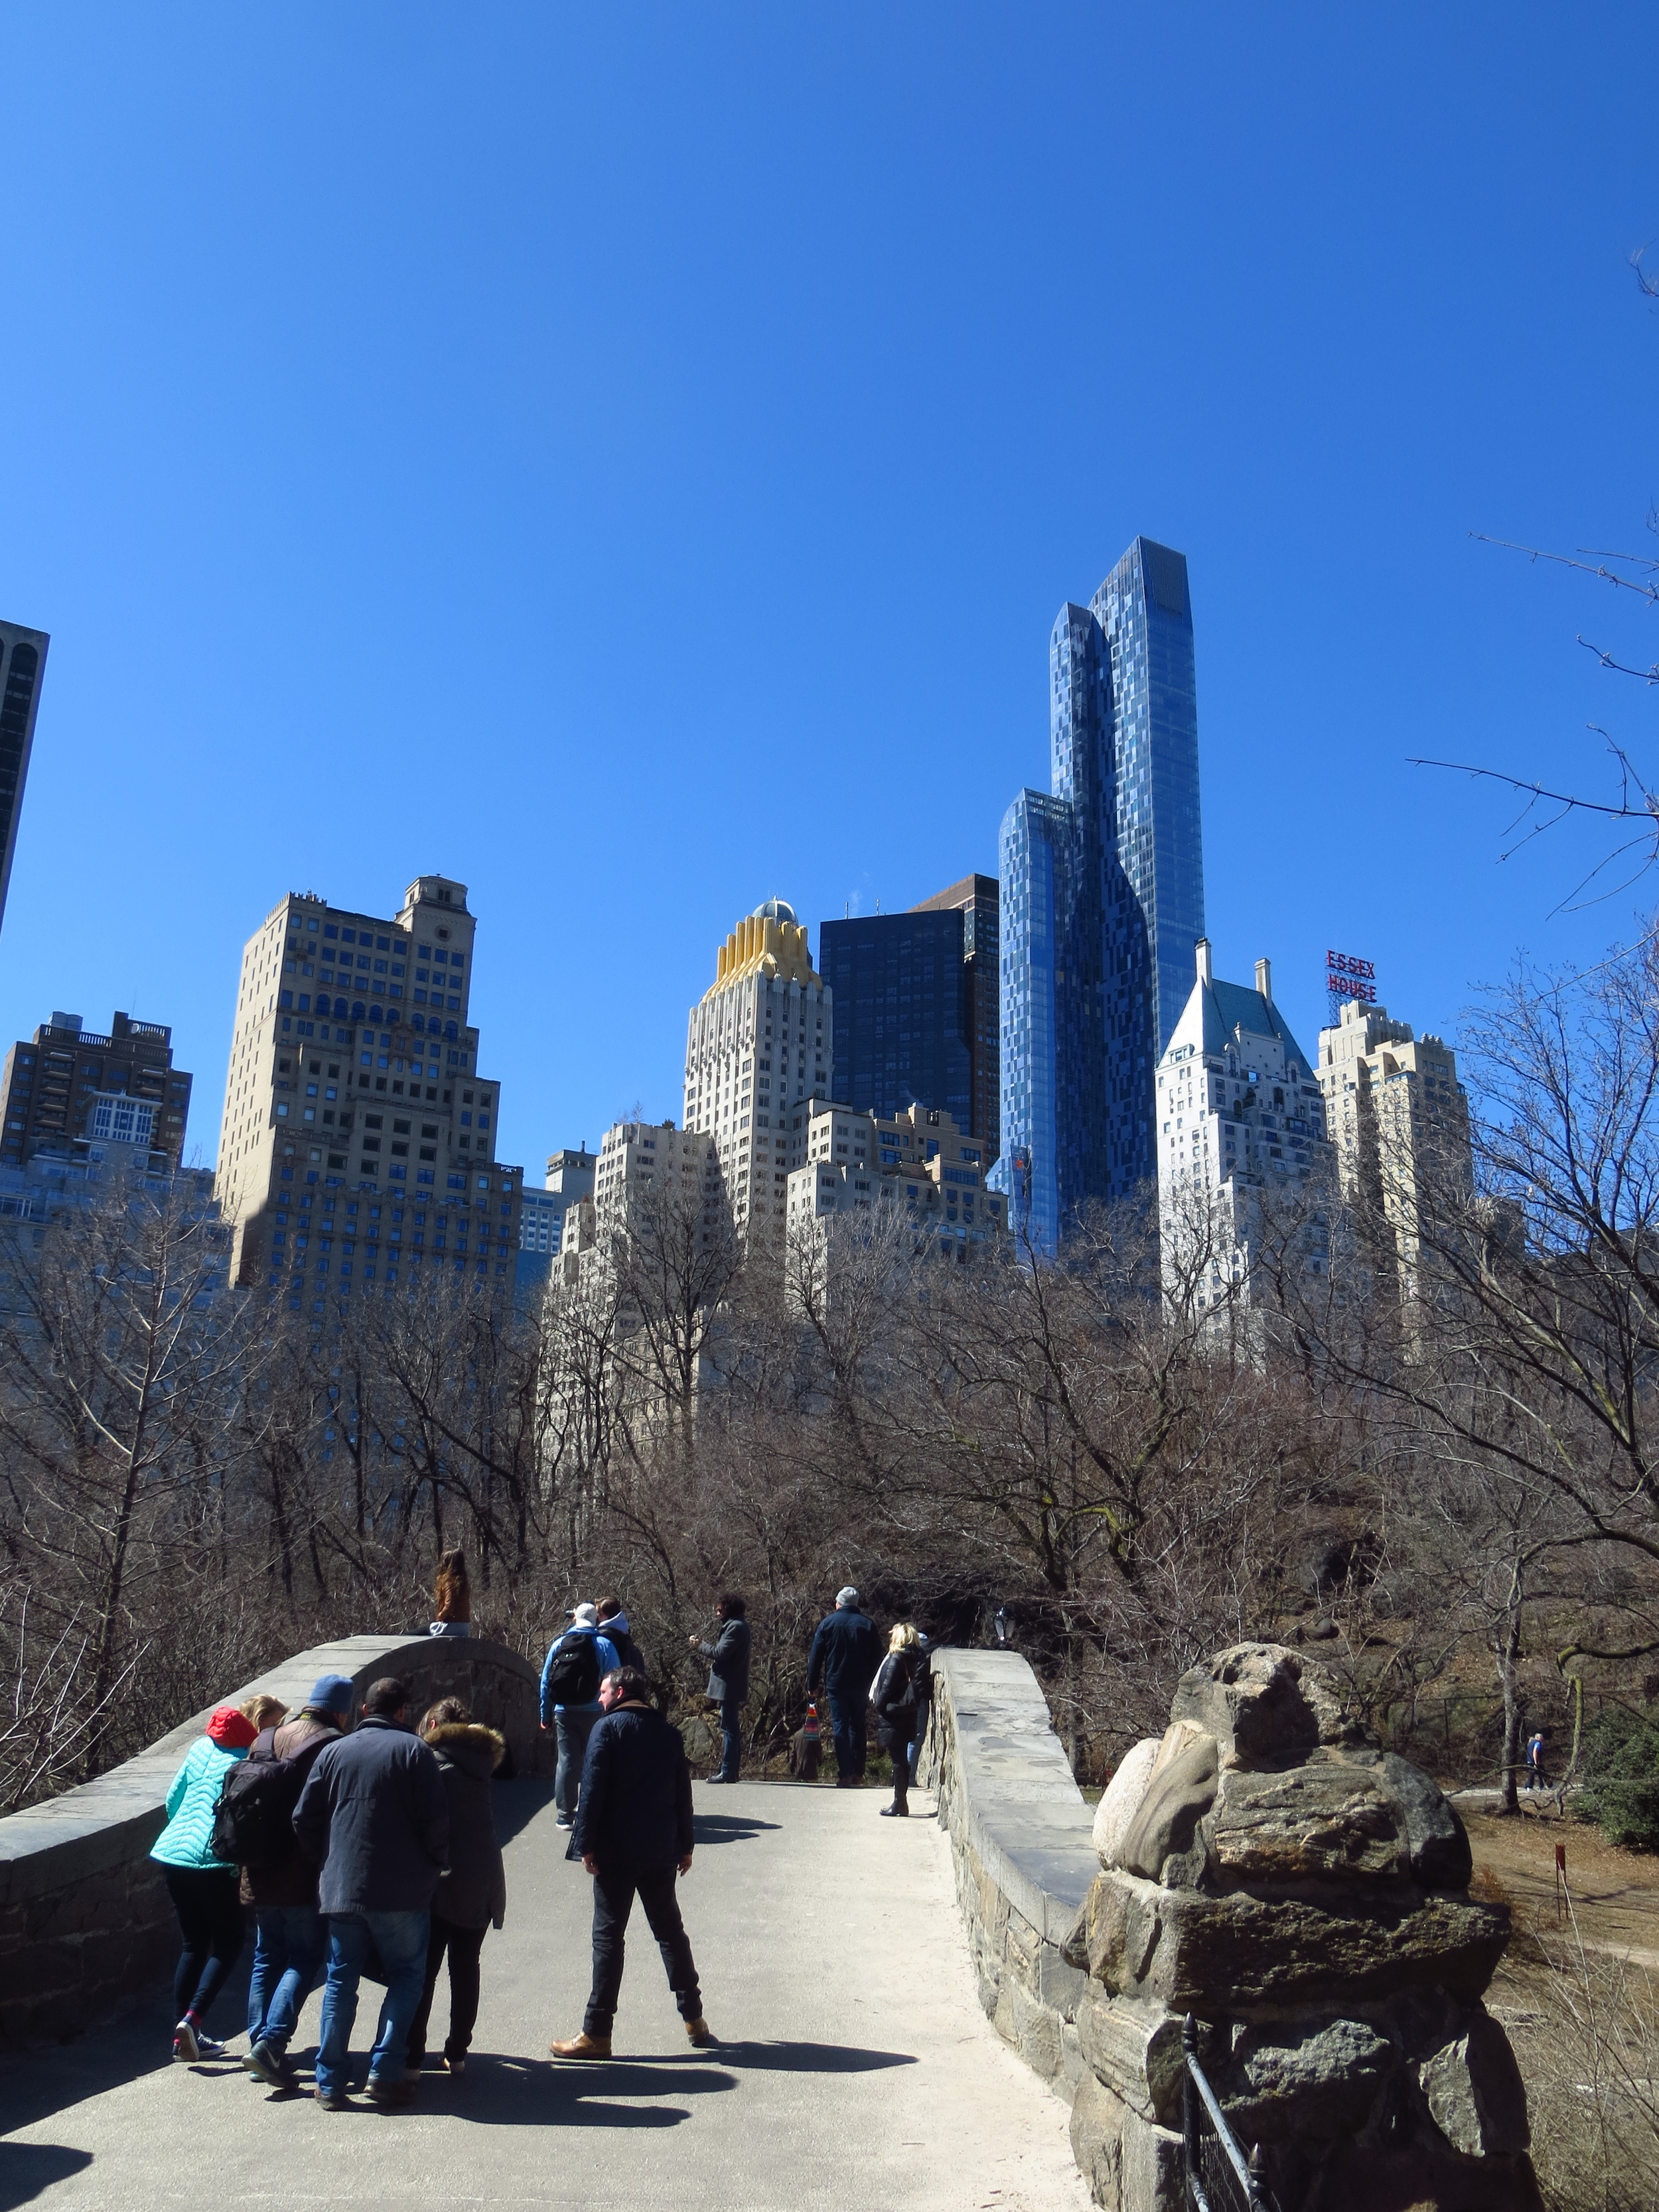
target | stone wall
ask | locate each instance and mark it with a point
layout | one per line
(1020, 1837)
(84, 1918)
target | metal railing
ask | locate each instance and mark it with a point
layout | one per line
(1219, 2178)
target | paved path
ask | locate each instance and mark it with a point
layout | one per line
(858, 2068)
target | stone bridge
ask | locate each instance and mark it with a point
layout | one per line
(927, 2013)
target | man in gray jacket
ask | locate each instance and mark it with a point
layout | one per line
(728, 1679)
(375, 1816)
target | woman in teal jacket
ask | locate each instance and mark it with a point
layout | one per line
(204, 1890)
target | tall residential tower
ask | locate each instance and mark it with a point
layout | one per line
(22, 661)
(1102, 893)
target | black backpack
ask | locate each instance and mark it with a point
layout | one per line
(254, 1819)
(574, 1677)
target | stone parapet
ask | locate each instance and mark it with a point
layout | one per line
(85, 1920)
(1020, 1838)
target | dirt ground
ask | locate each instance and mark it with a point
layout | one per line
(1615, 1893)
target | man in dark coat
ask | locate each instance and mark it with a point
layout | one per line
(633, 1834)
(844, 1657)
(375, 1816)
(728, 1679)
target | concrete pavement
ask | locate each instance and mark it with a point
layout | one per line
(855, 2067)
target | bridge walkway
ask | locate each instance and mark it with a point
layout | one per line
(856, 2067)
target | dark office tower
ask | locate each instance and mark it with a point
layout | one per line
(899, 1012)
(1103, 882)
(69, 1090)
(979, 899)
(22, 664)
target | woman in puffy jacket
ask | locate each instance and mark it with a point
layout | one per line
(898, 1698)
(204, 1890)
(471, 1893)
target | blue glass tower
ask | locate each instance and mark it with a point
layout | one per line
(1102, 893)
(902, 1012)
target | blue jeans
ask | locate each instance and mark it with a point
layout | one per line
(731, 1738)
(574, 1724)
(401, 1940)
(848, 1720)
(288, 1955)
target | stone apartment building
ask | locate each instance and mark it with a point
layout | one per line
(69, 1088)
(919, 1166)
(358, 1144)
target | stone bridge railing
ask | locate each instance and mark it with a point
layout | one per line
(84, 1918)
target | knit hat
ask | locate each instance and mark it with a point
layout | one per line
(848, 1596)
(333, 1695)
(585, 1616)
(231, 1730)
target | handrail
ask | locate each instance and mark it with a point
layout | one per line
(1253, 2196)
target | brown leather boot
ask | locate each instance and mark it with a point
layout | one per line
(699, 2032)
(582, 2047)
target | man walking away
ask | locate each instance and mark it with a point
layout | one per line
(278, 1880)
(373, 1814)
(633, 1834)
(614, 1624)
(728, 1679)
(898, 1698)
(1535, 1760)
(844, 1656)
(577, 1662)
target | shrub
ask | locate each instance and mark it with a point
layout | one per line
(1621, 1778)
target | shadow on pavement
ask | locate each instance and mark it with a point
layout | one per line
(516, 1804)
(728, 1827)
(26, 2169)
(35, 2084)
(501, 2090)
(796, 2058)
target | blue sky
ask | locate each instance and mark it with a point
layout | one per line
(630, 459)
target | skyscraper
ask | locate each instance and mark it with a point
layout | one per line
(69, 1087)
(1104, 887)
(980, 899)
(359, 1139)
(901, 1013)
(23, 661)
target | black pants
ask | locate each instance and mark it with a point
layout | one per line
(613, 1900)
(895, 1741)
(463, 1946)
(209, 1908)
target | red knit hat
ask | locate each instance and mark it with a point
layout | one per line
(231, 1729)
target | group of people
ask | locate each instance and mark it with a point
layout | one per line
(368, 1848)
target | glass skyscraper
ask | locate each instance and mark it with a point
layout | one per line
(1102, 895)
(902, 1012)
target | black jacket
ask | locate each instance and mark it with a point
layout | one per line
(900, 1694)
(471, 1893)
(845, 1653)
(635, 1811)
(728, 1658)
(374, 1817)
(622, 1641)
(292, 1880)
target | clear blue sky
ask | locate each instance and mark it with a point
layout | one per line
(630, 459)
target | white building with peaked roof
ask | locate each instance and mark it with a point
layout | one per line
(1243, 1156)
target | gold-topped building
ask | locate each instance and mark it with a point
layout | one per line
(756, 1052)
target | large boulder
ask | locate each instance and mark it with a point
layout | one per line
(1120, 1800)
(1265, 1705)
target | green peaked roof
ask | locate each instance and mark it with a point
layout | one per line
(1230, 1007)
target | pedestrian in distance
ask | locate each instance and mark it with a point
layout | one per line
(613, 1624)
(452, 1595)
(255, 1823)
(633, 1836)
(1535, 1760)
(472, 1893)
(204, 1887)
(898, 1698)
(577, 1662)
(845, 1652)
(375, 1816)
(728, 1679)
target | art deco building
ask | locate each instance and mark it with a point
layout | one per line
(1103, 897)
(358, 1144)
(1399, 1121)
(757, 1049)
(1241, 1150)
(69, 1088)
(917, 1167)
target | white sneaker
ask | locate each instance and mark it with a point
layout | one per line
(190, 2044)
(560, 1821)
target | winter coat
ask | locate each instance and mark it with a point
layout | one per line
(193, 1801)
(609, 1662)
(845, 1653)
(634, 1810)
(373, 1814)
(899, 1695)
(628, 1653)
(728, 1658)
(449, 1628)
(293, 1881)
(472, 1892)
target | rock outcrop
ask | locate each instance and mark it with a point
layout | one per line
(1304, 1896)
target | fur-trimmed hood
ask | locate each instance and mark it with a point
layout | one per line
(469, 1745)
